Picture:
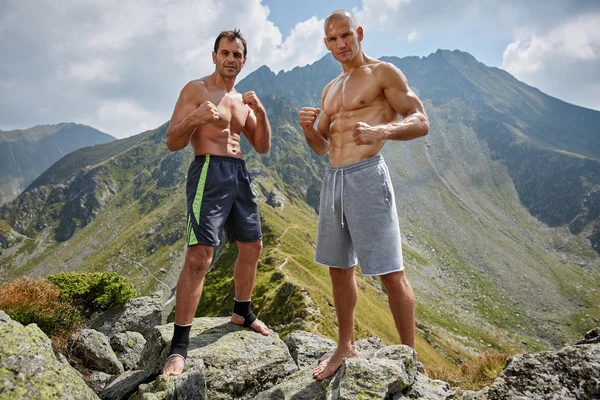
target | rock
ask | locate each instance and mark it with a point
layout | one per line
(29, 369)
(275, 199)
(301, 385)
(93, 349)
(426, 388)
(98, 380)
(137, 315)
(238, 362)
(125, 385)
(570, 373)
(369, 346)
(191, 385)
(128, 347)
(590, 337)
(388, 372)
(307, 348)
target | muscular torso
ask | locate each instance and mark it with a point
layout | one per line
(355, 97)
(221, 137)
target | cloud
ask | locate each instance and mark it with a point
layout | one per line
(120, 65)
(564, 60)
(414, 35)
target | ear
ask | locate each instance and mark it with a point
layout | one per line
(325, 41)
(214, 57)
(360, 33)
(244, 62)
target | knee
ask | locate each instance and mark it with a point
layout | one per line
(250, 250)
(395, 283)
(198, 261)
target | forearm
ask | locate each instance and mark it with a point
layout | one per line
(411, 127)
(262, 136)
(178, 135)
(319, 143)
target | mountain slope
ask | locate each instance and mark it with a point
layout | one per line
(25, 154)
(485, 271)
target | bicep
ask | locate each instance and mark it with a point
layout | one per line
(323, 124)
(399, 95)
(250, 126)
(186, 104)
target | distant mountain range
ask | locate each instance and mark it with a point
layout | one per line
(25, 154)
(499, 210)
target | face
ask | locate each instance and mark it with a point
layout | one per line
(342, 40)
(229, 58)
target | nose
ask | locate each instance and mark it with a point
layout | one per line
(341, 43)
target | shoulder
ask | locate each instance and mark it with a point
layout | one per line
(195, 89)
(389, 75)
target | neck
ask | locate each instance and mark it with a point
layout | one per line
(223, 82)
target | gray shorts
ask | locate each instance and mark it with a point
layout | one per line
(357, 217)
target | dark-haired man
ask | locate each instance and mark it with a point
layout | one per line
(210, 114)
(357, 216)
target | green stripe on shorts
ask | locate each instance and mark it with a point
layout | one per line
(192, 239)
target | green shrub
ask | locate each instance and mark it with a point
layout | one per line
(37, 301)
(94, 291)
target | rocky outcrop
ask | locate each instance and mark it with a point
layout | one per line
(29, 369)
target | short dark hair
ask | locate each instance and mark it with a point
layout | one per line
(231, 35)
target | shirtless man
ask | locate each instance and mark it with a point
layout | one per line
(357, 215)
(210, 115)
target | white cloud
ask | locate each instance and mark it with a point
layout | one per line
(414, 35)
(563, 60)
(117, 65)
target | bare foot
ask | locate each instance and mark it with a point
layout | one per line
(328, 367)
(173, 366)
(257, 325)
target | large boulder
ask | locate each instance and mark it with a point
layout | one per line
(238, 362)
(191, 385)
(29, 369)
(93, 349)
(128, 347)
(141, 315)
(307, 348)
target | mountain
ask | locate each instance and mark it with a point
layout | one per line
(487, 203)
(25, 154)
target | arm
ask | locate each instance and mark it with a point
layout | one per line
(257, 128)
(405, 102)
(187, 116)
(318, 139)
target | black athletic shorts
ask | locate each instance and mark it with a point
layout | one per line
(220, 202)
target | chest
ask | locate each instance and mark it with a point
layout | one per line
(352, 92)
(233, 111)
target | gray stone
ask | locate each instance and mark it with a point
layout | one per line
(128, 347)
(137, 315)
(93, 348)
(301, 385)
(426, 388)
(367, 347)
(29, 369)
(590, 337)
(239, 363)
(191, 385)
(125, 385)
(275, 199)
(570, 373)
(307, 348)
(98, 380)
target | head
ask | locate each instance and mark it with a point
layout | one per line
(343, 36)
(229, 55)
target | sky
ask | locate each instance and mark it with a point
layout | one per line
(119, 65)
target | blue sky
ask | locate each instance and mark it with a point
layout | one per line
(119, 65)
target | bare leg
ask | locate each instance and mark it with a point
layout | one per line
(345, 294)
(402, 304)
(244, 275)
(189, 289)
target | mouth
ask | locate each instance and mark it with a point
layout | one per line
(341, 53)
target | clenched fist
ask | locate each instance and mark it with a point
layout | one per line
(308, 116)
(252, 101)
(366, 134)
(207, 113)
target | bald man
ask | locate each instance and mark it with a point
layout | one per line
(358, 222)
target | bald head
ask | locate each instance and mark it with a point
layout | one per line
(341, 15)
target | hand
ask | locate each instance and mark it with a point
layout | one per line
(366, 134)
(207, 113)
(251, 100)
(308, 116)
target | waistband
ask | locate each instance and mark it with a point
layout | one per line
(210, 157)
(356, 166)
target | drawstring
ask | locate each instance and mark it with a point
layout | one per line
(341, 195)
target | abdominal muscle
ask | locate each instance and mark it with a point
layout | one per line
(216, 141)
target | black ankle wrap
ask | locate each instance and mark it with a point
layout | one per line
(180, 341)
(242, 308)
